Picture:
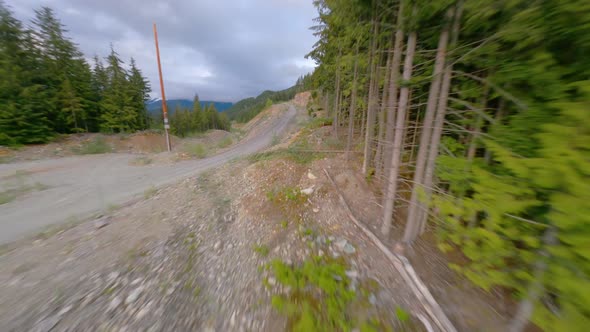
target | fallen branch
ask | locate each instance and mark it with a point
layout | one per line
(405, 269)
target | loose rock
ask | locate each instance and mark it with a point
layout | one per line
(134, 295)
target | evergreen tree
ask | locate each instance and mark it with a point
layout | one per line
(139, 91)
(22, 97)
(48, 87)
(71, 105)
(500, 118)
(198, 121)
(61, 60)
(117, 113)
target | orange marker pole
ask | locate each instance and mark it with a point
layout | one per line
(164, 107)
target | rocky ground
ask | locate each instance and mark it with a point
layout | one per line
(149, 144)
(191, 257)
(199, 255)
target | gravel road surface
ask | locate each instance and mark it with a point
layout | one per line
(80, 186)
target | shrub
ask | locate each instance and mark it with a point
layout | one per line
(286, 195)
(95, 146)
(196, 150)
(261, 249)
(225, 142)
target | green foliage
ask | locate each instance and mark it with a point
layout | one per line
(97, 145)
(276, 139)
(150, 192)
(291, 153)
(48, 88)
(268, 103)
(318, 123)
(488, 217)
(320, 296)
(402, 315)
(290, 196)
(514, 149)
(196, 150)
(246, 109)
(185, 122)
(261, 249)
(225, 142)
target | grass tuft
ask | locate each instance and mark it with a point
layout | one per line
(150, 192)
(95, 146)
(261, 249)
(141, 161)
(196, 150)
(224, 143)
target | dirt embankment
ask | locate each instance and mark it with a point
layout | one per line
(197, 255)
(145, 142)
(194, 256)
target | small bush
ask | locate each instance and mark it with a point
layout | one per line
(196, 150)
(286, 195)
(95, 146)
(224, 143)
(141, 161)
(318, 123)
(261, 249)
(150, 192)
(275, 139)
(7, 196)
(320, 295)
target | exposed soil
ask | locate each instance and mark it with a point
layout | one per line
(183, 259)
(469, 307)
(188, 257)
(145, 142)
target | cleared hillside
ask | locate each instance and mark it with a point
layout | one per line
(246, 109)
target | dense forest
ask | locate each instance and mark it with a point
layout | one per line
(155, 106)
(48, 88)
(245, 109)
(185, 121)
(475, 118)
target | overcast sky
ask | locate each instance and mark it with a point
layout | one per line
(224, 50)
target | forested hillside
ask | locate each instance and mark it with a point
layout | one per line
(47, 87)
(474, 117)
(246, 109)
(185, 121)
(155, 106)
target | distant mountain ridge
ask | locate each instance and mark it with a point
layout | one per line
(155, 105)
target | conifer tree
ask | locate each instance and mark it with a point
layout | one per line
(22, 96)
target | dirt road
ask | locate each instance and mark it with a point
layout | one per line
(77, 187)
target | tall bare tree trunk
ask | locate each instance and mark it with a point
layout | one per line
(478, 123)
(372, 104)
(438, 126)
(362, 123)
(352, 105)
(392, 94)
(382, 113)
(536, 288)
(398, 138)
(414, 136)
(337, 97)
(497, 119)
(327, 103)
(426, 131)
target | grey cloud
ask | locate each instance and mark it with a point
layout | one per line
(223, 50)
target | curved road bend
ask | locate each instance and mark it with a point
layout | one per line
(82, 185)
